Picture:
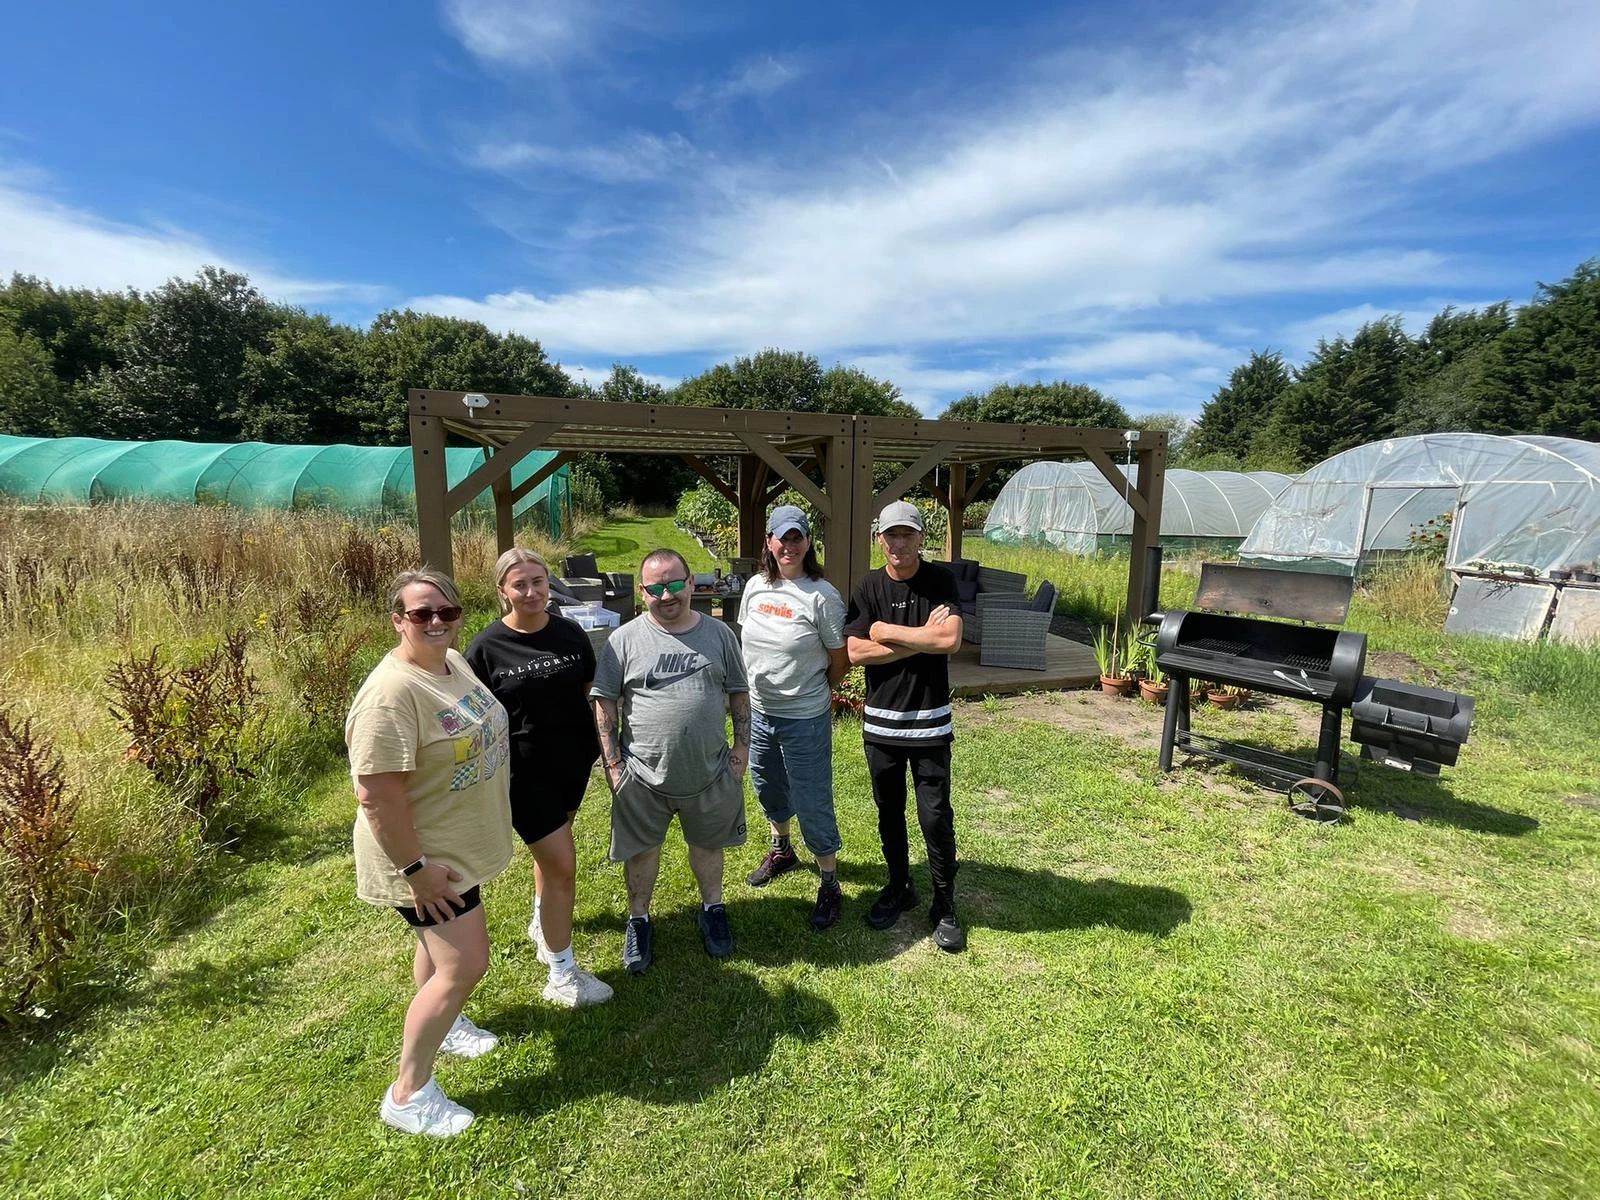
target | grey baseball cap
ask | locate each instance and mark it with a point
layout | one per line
(901, 512)
(786, 517)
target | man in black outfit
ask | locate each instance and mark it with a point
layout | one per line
(904, 623)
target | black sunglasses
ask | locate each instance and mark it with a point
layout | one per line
(660, 589)
(422, 616)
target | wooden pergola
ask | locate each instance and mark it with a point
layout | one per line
(827, 457)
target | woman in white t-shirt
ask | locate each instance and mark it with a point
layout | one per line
(429, 757)
(792, 630)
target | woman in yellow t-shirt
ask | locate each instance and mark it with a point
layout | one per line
(428, 753)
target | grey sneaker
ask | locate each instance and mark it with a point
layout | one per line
(636, 945)
(714, 931)
(429, 1112)
(576, 989)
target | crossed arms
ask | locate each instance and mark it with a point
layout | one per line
(886, 643)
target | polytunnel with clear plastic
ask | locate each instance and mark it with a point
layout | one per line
(367, 480)
(1500, 504)
(1075, 508)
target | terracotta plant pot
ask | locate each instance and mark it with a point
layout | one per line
(1224, 699)
(1113, 686)
(1155, 693)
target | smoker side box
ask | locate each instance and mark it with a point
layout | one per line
(1408, 726)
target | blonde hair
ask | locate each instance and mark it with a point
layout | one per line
(514, 557)
(429, 575)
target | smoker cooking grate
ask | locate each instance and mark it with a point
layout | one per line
(1229, 648)
(1216, 645)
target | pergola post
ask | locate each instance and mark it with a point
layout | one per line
(1146, 523)
(432, 482)
(862, 510)
(505, 533)
(957, 511)
(752, 516)
(838, 463)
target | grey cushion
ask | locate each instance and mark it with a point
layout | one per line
(967, 590)
(965, 568)
(1044, 599)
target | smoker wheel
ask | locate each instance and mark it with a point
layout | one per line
(1316, 799)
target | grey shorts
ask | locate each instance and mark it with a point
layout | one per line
(640, 815)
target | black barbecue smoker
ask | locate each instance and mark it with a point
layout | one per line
(1267, 630)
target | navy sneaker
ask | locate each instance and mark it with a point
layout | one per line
(891, 902)
(714, 931)
(636, 948)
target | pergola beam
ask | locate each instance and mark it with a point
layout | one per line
(703, 469)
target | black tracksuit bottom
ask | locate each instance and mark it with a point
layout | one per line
(930, 775)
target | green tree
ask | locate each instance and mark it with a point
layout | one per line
(652, 480)
(1058, 403)
(183, 359)
(1347, 395)
(418, 350)
(30, 393)
(304, 385)
(1543, 374)
(80, 328)
(1445, 371)
(1230, 420)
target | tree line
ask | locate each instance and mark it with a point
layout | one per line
(1535, 370)
(209, 358)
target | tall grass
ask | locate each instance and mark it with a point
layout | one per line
(177, 670)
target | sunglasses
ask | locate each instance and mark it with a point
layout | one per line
(423, 616)
(659, 590)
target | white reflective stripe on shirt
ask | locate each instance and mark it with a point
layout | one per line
(922, 714)
(929, 731)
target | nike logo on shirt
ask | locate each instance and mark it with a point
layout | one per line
(673, 668)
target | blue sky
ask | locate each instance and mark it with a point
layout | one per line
(947, 195)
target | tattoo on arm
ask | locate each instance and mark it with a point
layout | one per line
(739, 706)
(605, 723)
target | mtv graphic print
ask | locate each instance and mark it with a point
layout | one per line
(480, 731)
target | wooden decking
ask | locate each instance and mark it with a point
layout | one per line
(1068, 664)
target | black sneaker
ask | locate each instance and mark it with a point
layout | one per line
(714, 931)
(830, 900)
(777, 862)
(636, 948)
(891, 902)
(948, 934)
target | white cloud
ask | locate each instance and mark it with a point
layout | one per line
(1262, 163)
(72, 247)
(634, 159)
(529, 32)
(757, 79)
(1133, 350)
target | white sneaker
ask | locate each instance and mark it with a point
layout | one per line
(576, 989)
(429, 1112)
(466, 1040)
(536, 936)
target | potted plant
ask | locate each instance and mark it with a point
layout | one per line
(1153, 686)
(1108, 656)
(1227, 695)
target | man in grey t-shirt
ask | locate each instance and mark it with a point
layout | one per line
(670, 676)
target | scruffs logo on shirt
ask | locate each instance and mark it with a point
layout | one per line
(775, 608)
(673, 668)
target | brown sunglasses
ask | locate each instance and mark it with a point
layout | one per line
(422, 616)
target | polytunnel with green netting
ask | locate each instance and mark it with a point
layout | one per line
(1074, 508)
(372, 481)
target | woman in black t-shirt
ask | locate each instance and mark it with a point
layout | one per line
(540, 665)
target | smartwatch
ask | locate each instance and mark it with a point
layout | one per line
(422, 861)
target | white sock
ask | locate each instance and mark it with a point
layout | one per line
(563, 963)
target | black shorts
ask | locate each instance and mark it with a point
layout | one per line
(470, 899)
(548, 798)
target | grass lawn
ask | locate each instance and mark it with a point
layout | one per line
(1173, 988)
(620, 544)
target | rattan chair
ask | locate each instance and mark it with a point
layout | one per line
(1014, 634)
